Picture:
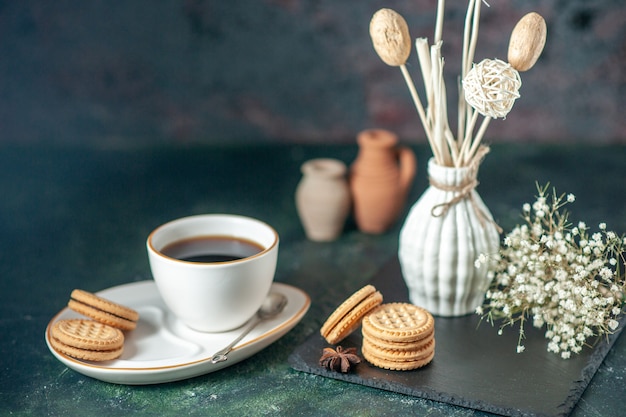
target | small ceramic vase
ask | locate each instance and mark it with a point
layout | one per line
(443, 235)
(323, 198)
(380, 178)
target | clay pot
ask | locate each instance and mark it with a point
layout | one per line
(323, 198)
(380, 179)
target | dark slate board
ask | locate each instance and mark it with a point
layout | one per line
(473, 366)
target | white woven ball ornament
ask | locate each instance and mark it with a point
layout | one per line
(491, 87)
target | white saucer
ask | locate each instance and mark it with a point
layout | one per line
(161, 349)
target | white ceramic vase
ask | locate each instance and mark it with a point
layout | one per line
(443, 235)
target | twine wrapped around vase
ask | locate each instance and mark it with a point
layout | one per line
(464, 190)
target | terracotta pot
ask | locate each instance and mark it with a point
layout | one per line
(323, 198)
(443, 235)
(380, 179)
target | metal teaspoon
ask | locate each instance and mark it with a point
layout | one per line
(272, 306)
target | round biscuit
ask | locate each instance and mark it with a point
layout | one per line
(345, 307)
(399, 322)
(396, 365)
(101, 316)
(87, 334)
(105, 305)
(86, 354)
(398, 346)
(352, 320)
(421, 352)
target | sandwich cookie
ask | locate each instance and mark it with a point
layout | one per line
(347, 317)
(103, 310)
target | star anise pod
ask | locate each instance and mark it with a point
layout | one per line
(339, 360)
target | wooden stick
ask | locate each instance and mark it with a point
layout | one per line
(416, 98)
(478, 138)
(474, 35)
(438, 103)
(452, 144)
(468, 136)
(472, 50)
(441, 5)
(423, 56)
(435, 109)
(456, 157)
(460, 128)
(464, 70)
(438, 81)
(420, 109)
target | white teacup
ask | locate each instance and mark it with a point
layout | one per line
(206, 294)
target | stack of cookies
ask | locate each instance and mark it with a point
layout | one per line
(398, 336)
(87, 340)
(99, 338)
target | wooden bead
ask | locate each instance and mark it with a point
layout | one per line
(390, 36)
(527, 41)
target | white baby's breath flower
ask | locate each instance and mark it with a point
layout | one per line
(482, 260)
(563, 277)
(540, 203)
(606, 273)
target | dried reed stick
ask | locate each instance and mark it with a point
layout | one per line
(420, 110)
(441, 5)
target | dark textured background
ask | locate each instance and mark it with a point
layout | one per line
(135, 73)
